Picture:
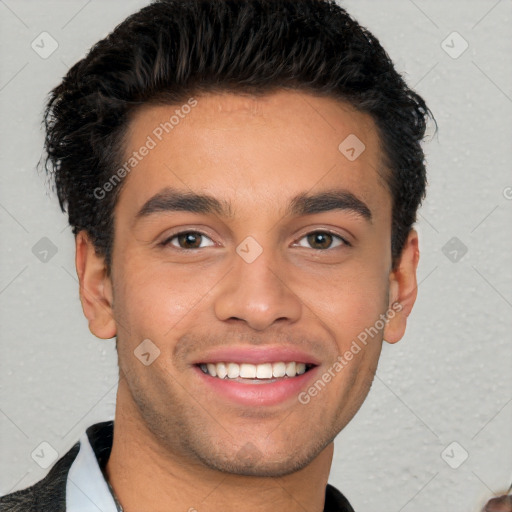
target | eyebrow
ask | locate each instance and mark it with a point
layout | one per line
(305, 204)
(171, 200)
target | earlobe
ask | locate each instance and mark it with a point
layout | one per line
(95, 288)
(403, 289)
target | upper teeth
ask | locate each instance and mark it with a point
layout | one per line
(253, 371)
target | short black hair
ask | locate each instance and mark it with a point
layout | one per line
(173, 49)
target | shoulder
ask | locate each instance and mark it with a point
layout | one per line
(47, 494)
(335, 501)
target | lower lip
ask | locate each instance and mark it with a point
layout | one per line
(261, 393)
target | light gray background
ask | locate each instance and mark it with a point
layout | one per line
(448, 380)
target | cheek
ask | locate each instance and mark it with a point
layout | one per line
(153, 300)
(347, 301)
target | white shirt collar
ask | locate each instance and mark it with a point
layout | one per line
(86, 487)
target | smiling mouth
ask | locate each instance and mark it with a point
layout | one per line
(255, 372)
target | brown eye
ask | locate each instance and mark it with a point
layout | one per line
(322, 240)
(189, 240)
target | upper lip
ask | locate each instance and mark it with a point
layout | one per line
(257, 355)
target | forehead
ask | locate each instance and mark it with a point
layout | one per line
(255, 149)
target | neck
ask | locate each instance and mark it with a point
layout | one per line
(146, 476)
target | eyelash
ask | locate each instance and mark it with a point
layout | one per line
(343, 241)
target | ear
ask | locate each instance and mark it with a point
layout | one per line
(95, 288)
(403, 288)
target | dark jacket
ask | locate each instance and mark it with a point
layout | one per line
(49, 494)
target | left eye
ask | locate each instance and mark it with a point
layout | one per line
(188, 240)
(322, 240)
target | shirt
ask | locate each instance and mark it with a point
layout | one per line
(86, 487)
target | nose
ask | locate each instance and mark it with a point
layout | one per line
(257, 293)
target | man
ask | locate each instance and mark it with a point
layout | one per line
(242, 179)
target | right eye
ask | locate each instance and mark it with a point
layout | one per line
(187, 240)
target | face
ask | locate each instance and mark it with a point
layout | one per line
(247, 241)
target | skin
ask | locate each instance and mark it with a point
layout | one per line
(500, 504)
(175, 441)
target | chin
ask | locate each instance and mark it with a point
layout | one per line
(262, 467)
(250, 461)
